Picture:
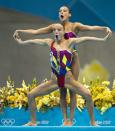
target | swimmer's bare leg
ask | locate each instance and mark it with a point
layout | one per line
(77, 87)
(63, 104)
(43, 89)
(75, 71)
(72, 106)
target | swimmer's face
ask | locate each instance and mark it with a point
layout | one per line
(64, 13)
(58, 31)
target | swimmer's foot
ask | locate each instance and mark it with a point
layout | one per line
(94, 124)
(67, 123)
(70, 123)
(30, 124)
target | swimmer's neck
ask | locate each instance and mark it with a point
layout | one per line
(59, 41)
(66, 22)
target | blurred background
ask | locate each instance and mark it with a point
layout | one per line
(24, 62)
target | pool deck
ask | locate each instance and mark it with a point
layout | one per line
(57, 128)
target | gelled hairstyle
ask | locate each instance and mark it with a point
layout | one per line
(67, 8)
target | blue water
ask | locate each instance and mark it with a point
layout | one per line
(53, 117)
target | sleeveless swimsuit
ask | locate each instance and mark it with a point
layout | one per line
(60, 63)
(71, 35)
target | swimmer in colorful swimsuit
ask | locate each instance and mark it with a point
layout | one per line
(61, 62)
(71, 30)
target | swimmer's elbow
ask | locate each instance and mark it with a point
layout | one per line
(44, 30)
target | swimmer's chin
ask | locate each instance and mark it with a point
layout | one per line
(57, 38)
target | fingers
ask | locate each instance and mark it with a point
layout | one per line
(107, 36)
(16, 35)
(109, 33)
(18, 39)
(108, 30)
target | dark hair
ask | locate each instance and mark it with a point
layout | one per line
(67, 8)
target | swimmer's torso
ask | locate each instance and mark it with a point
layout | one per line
(60, 58)
(60, 61)
(70, 27)
(65, 45)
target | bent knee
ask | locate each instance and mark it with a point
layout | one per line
(88, 96)
(30, 95)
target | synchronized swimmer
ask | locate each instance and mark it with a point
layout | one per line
(71, 31)
(61, 55)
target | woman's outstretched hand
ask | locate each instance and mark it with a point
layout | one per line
(108, 31)
(107, 36)
(16, 34)
(18, 39)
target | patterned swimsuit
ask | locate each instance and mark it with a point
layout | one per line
(71, 35)
(61, 61)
